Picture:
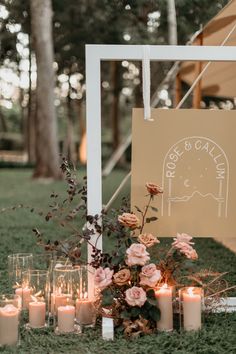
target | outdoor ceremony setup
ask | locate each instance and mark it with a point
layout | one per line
(98, 259)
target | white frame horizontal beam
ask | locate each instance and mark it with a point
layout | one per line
(161, 52)
(94, 55)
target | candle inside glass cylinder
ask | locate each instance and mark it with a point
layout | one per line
(9, 322)
(192, 308)
(85, 311)
(37, 314)
(164, 299)
(25, 294)
(59, 300)
(66, 318)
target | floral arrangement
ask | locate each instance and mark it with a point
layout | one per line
(136, 265)
(128, 286)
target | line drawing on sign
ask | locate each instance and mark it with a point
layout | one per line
(180, 189)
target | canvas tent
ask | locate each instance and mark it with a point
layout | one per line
(219, 80)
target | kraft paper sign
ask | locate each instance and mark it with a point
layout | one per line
(192, 155)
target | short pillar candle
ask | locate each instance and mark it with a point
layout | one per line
(66, 318)
(9, 323)
(164, 302)
(37, 314)
(85, 312)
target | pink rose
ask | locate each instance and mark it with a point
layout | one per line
(135, 296)
(182, 243)
(190, 253)
(103, 277)
(129, 220)
(150, 275)
(137, 255)
(182, 238)
(153, 188)
(148, 240)
(187, 250)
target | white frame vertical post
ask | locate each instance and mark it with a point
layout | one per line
(94, 55)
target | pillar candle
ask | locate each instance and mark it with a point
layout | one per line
(60, 300)
(37, 314)
(25, 294)
(192, 308)
(66, 318)
(164, 300)
(9, 322)
(85, 312)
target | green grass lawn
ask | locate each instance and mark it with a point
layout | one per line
(16, 187)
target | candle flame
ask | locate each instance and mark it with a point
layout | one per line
(190, 291)
(34, 299)
(164, 286)
(38, 294)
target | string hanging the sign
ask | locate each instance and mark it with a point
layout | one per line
(146, 81)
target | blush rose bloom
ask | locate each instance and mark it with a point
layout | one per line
(153, 188)
(103, 277)
(190, 253)
(122, 277)
(135, 296)
(180, 239)
(148, 240)
(137, 255)
(182, 243)
(150, 275)
(129, 220)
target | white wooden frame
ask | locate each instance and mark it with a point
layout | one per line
(94, 55)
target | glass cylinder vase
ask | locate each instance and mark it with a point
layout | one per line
(191, 305)
(10, 308)
(37, 281)
(85, 306)
(18, 263)
(65, 283)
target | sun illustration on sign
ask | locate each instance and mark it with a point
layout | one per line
(194, 168)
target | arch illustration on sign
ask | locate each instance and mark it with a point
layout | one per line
(195, 168)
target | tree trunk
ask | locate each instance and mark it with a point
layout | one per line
(3, 122)
(30, 125)
(47, 150)
(69, 144)
(31, 134)
(172, 23)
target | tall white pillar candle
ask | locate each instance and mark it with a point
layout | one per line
(37, 314)
(164, 299)
(9, 322)
(66, 318)
(192, 308)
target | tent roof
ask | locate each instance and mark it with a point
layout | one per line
(219, 79)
